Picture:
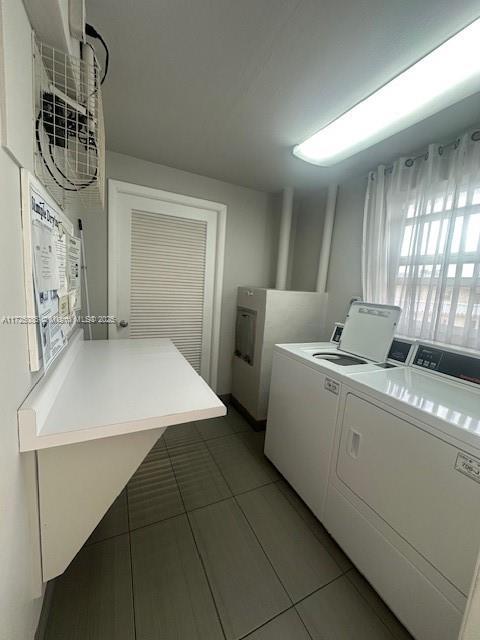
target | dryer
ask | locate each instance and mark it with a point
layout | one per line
(403, 496)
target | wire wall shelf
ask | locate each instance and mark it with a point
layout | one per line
(69, 142)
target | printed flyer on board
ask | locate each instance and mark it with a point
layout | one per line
(56, 275)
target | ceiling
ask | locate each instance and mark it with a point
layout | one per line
(225, 88)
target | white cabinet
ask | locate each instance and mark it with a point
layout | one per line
(266, 317)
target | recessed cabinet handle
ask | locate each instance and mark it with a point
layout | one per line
(354, 443)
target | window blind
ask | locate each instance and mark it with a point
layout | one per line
(167, 281)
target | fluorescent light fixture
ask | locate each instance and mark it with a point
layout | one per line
(446, 75)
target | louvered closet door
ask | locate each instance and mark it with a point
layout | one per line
(165, 265)
(167, 281)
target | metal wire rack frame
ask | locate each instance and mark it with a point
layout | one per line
(69, 141)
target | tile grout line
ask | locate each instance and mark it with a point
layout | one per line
(392, 635)
(225, 435)
(303, 622)
(294, 603)
(155, 479)
(208, 504)
(204, 440)
(264, 624)
(199, 555)
(264, 552)
(150, 524)
(167, 447)
(131, 565)
(255, 535)
(206, 575)
(218, 466)
(143, 526)
(170, 453)
(327, 584)
(221, 475)
(213, 460)
(260, 486)
(238, 493)
(343, 571)
(344, 575)
(232, 497)
(187, 512)
(114, 535)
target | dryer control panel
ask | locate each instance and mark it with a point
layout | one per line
(400, 350)
(454, 364)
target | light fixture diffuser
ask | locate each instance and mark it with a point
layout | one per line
(446, 75)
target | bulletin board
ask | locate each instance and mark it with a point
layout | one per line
(52, 268)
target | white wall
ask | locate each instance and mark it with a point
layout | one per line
(250, 250)
(19, 609)
(344, 274)
(20, 604)
(309, 214)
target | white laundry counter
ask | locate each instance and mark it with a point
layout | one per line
(90, 421)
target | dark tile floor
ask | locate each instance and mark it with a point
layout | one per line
(208, 542)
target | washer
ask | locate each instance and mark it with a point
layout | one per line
(404, 487)
(304, 393)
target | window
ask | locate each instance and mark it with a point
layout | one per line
(438, 278)
(422, 243)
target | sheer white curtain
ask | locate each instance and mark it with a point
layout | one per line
(421, 242)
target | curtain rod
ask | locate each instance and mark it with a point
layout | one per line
(409, 162)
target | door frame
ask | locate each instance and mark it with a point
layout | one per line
(117, 188)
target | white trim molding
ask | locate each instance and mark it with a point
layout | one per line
(118, 189)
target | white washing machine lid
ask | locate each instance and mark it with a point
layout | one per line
(306, 353)
(369, 330)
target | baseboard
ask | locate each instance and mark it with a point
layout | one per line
(257, 425)
(226, 398)
(45, 612)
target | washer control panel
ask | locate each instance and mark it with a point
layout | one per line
(462, 366)
(337, 333)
